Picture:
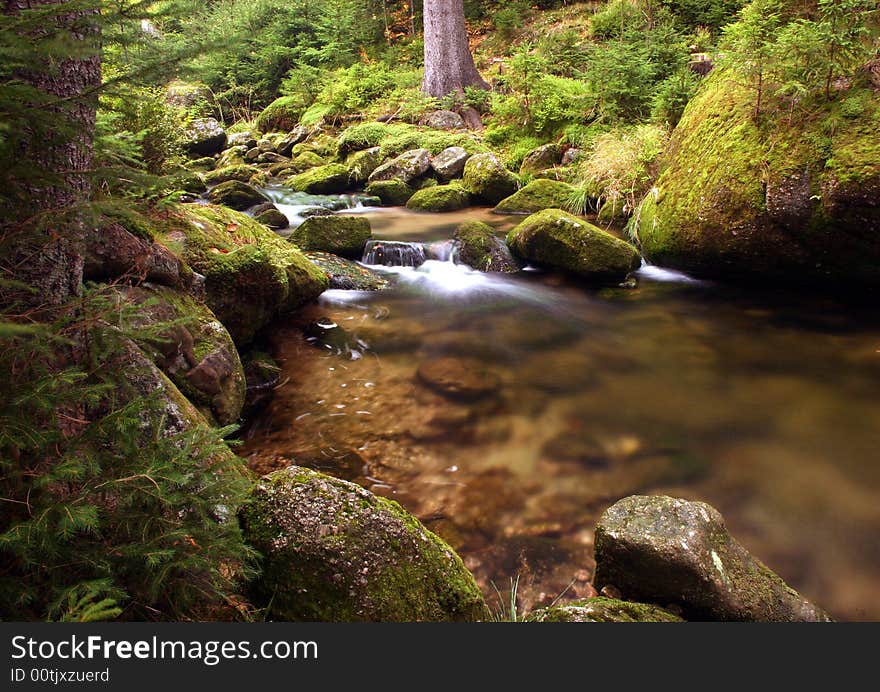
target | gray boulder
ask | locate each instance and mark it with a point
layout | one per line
(449, 163)
(407, 167)
(291, 139)
(668, 550)
(443, 120)
(541, 159)
(205, 137)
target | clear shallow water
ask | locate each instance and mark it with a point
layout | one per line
(763, 405)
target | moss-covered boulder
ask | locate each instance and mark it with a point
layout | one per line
(241, 173)
(536, 196)
(233, 156)
(779, 198)
(480, 248)
(194, 349)
(667, 550)
(334, 552)
(449, 163)
(407, 167)
(540, 159)
(554, 238)
(236, 195)
(273, 218)
(442, 120)
(393, 193)
(602, 609)
(305, 161)
(362, 136)
(339, 234)
(250, 274)
(202, 165)
(439, 198)
(322, 180)
(362, 163)
(347, 275)
(486, 178)
(204, 137)
(282, 115)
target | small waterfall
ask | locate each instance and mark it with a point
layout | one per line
(443, 250)
(394, 253)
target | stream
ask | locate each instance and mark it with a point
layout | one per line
(507, 412)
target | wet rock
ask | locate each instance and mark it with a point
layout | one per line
(480, 248)
(536, 196)
(236, 195)
(459, 378)
(361, 164)
(603, 610)
(335, 553)
(449, 163)
(407, 167)
(393, 193)
(328, 336)
(347, 275)
(233, 156)
(557, 239)
(669, 550)
(321, 180)
(241, 173)
(272, 218)
(443, 120)
(540, 159)
(486, 178)
(262, 374)
(204, 137)
(439, 198)
(338, 234)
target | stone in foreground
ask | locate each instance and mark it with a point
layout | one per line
(480, 248)
(536, 196)
(335, 552)
(439, 198)
(407, 167)
(668, 550)
(554, 238)
(602, 609)
(487, 179)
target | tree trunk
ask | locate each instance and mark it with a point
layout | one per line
(449, 66)
(46, 232)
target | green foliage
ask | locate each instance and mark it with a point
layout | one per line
(712, 14)
(613, 20)
(672, 95)
(105, 508)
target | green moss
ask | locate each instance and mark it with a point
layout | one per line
(338, 234)
(487, 179)
(557, 239)
(362, 163)
(439, 198)
(602, 609)
(306, 160)
(322, 180)
(283, 114)
(367, 135)
(434, 141)
(393, 193)
(132, 221)
(537, 195)
(480, 248)
(241, 172)
(236, 195)
(206, 163)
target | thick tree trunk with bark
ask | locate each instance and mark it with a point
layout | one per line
(449, 66)
(47, 230)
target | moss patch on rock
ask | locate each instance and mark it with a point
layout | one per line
(282, 114)
(236, 195)
(602, 609)
(439, 198)
(487, 179)
(321, 180)
(334, 552)
(480, 248)
(338, 234)
(393, 193)
(536, 196)
(242, 173)
(347, 275)
(555, 238)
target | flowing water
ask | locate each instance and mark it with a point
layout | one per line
(507, 412)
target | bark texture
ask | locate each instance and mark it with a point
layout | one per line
(449, 66)
(46, 232)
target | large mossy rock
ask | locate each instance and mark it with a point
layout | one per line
(393, 193)
(536, 196)
(668, 550)
(554, 238)
(439, 198)
(486, 178)
(241, 173)
(338, 234)
(251, 274)
(282, 115)
(334, 552)
(236, 195)
(602, 609)
(407, 167)
(361, 164)
(480, 248)
(322, 180)
(779, 198)
(347, 275)
(304, 161)
(190, 345)
(204, 137)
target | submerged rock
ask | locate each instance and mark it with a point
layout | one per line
(439, 198)
(459, 378)
(393, 193)
(602, 609)
(262, 374)
(334, 552)
(338, 234)
(536, 196)
(557, 239)
(347, 275)
(486, 178)
(480, 248)
(449, 163)
(669, 550)
(236, 195)
(407, 167)
(321, 180)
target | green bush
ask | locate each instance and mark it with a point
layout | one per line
(672, 95)
(613, 20)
